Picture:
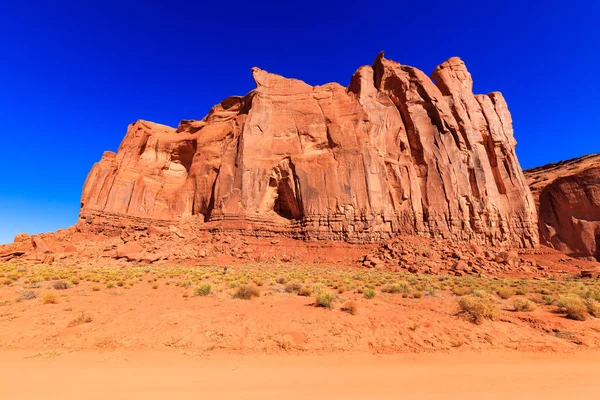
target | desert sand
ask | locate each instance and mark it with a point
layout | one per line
(155, 375)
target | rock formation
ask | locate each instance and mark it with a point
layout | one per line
(568, 198)
(392, 153)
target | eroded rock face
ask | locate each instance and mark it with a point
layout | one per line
(392, 153)
(568, 197)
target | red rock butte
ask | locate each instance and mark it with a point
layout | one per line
(394, 152)
(568, 197)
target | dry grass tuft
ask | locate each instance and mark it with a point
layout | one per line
(60, 285)
(369, 293)
(573, 306)
(593, 307)
(505, 293)
(246, 292)
(522, 304)
(293, 287)
(305, 291)
(325, 299)
(350, 307)
(479, 306)
(49, 298)
(203, 289)
(27, 295)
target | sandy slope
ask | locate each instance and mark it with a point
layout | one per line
(155, 375)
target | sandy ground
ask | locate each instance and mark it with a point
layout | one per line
(142, 318)
(156, 375)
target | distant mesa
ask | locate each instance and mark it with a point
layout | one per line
(568, 198)
(391, 153)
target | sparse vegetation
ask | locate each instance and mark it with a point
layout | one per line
(305, 291)
(325, 299)
(60, 285)
(505, 293)
(400, 287)
(27, 295)
(522, 304)
(246, 292)
(593, 307)
(573, 306)
(369, 293)
(350, 307)
(293, 287)
(203, 289)
(479, 306)
(49, 298)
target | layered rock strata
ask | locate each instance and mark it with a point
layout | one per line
(394, 152)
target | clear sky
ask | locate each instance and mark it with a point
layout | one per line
(74, 74)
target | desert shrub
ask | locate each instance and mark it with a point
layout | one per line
(461, 290)
(60, 285)
(246, 292)
(548, 300)
(110, 285)
(154, 286)
(505, 293)
(593, 307)
(293, 287)
(186, 284)
(522, 290)
(400, 287)
(479, 306)
(417, 294)
(203, 289)
(280, 280)
(369, 293)
(75, 281)
(120, 283)
(49, 298)
(342, 289)
(522, 304)
(318, 287)
(350, 307)
(28, 295)
(6, 281)
(325, 299)
(573, 306)
(305, 291)
(258, 281)
(95, 288)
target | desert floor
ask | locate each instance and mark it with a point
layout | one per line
(159, 375)
(177, 332)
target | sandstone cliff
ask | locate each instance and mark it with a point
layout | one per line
(568, 198)
(392, 153)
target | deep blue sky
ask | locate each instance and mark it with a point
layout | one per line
(73, 75)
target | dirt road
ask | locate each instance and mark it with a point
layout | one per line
(148, 376)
